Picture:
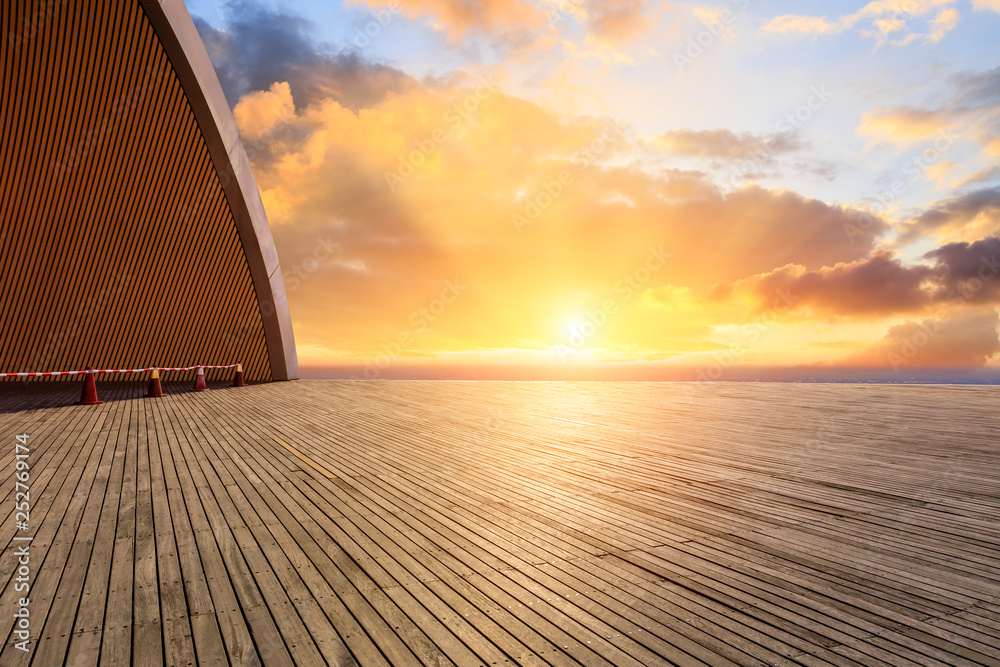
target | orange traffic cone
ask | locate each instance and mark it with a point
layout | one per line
(155, 389)
(89, 396)
(238, 378)
(199, 380)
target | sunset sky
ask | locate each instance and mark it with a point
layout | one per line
(627, 184)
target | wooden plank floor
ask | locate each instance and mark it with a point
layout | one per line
(450, 523)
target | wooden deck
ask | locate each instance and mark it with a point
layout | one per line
(443, 523)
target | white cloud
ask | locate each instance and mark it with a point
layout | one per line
(879, 19)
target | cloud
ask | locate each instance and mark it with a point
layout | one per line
(978, 87)
(877, 20)
(984, 175)
(724, 235)
(521, 21)
(880, 285)
(966, 340)
(617, 20)
(904, 125)
(971, 113)
(725, 144)
(983, 5)
(943, 23)
(382, 188)
(670, 299)
(466, 164)
(596, 49)
(458, 18)
(259, 47)
(872, 287)
(939, 172)
(889, 26)
(968, 272)
(903, 8)
(257, 114)
(974, 214)
(802, 25)
(826, 170)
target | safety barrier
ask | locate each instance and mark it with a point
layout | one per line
(89, 396)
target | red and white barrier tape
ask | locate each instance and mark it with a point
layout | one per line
(110, 370)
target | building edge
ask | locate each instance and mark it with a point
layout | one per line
(189, 58)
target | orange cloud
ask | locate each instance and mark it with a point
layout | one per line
(973, 113)
(943, 23)
(991, 5)
(969, 216)
(889, 26)
(877, 286)
(458, 17)
(872, 287)
(449, 221)
(616, 20)
(904, 124)
(613, 21)
(257, 114)
(379, 207)
(799, 24)
(967, 340)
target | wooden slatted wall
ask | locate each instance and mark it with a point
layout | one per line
(117, 246)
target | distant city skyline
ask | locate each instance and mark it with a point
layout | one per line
(578, 185)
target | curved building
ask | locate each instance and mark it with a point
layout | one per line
(132, 229)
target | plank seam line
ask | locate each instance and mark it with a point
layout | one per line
(305, 459)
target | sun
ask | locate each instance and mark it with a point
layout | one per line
(579, 332)
(575, 327)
